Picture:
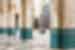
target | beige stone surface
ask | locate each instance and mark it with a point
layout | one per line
(69, 13)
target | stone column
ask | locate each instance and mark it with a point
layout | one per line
(69, 24)
(26, 31)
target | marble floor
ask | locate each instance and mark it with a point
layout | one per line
(38, 42)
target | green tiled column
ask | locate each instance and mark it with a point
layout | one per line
(26, 33)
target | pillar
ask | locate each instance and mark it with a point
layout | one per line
(26, 30)
(11, 11)
(69, 24)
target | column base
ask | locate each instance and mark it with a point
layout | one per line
(54, 38)
(10, 31)
(2, 31)
(26, 33)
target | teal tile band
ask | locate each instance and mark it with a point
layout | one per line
(62, 38)
(54, 38)
(69, 38)
(26, 33)
(2, 30)
(57, 38)
(10, 31)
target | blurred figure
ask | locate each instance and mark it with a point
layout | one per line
(36, 23)
(44, 19)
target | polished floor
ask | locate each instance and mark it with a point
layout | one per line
(39, 41)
